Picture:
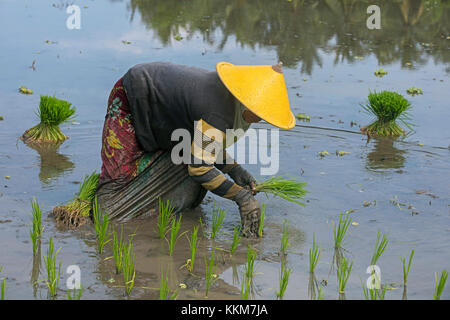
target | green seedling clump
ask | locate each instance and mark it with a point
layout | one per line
(77, 211)
(286, 188)
(52, 112)
(388, 108)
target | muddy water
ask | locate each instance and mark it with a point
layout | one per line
(398, 187)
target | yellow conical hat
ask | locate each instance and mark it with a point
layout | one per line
(261, 89)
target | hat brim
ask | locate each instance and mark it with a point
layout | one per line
(261, 89)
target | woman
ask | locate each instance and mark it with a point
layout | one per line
(150, 102)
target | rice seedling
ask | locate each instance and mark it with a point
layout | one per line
(406, 268)
(2, 286)
(128, 269)
(284, 238)
(439, 286)
(76, 212)
(251, 257)
(286, 188)
(53, 270)
(176, 224)
(236, 238)
(117, 248)
(75, 295)
(283, 277)
(211, 276)
(101, 224)
(375, 293)
(380, 246)
(387, 107)
(164, 291)
(245, 287)
(52, 112)
(314, 254)
(36, 229)
(218, 217)
(193, 243)
(165, 217)
(340, 230)
(343, 273)
(2, 290)
(261, 220)
(320, 295)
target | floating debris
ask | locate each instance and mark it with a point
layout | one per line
(1, 118)
(323, 153)
(380, 73)
(303, 117)
(25, 90)
(126, 42)
(414, 91)
(178, 37)
(341, 153)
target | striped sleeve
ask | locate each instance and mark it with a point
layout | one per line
(206, 149)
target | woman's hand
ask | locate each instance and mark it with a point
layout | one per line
(243, 178)
(250, 212)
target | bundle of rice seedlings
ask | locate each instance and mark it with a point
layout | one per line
(387, 107)
(76, 212)
(286, 188)
(52, 112)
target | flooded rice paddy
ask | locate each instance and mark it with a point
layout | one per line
(398, 187)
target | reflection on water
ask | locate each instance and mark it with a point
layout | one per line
(52, 163)
(412, 31)
(385, 155)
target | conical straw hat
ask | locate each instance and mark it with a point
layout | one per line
(261, 89)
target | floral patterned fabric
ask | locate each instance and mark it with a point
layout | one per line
(122, 157)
